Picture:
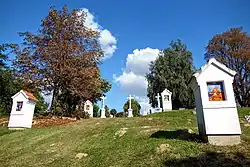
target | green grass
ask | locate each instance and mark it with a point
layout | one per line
(139, 146)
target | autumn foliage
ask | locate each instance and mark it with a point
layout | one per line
(232, 48)
(63, 58)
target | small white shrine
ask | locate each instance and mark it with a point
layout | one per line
(166, 100)
(216, 110)
(88, 108)
(22, 111)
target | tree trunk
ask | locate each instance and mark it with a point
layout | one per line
(54, 100)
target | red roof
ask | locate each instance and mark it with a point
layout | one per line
(30, 95)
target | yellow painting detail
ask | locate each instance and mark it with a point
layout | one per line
(216, 91)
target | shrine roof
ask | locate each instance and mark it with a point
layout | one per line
(166, 90)
(214, 62)
(30, 96)
(26, 94)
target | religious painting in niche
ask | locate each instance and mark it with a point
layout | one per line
(166, 97)
(216, 91)
(19, 106)
(87, 107)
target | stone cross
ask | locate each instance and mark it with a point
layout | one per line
(158, 99)
(103, 108)
(130, 98)
(103, 98)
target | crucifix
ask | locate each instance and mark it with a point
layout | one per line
(103, 107)
(158, 99)
(103, 98)
(130, 98)
(130, 110)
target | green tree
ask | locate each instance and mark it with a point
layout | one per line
(119, 114)
(9, 85)
(41, 106)
(113, 112)
(63, 57)
(232, 48)
(3, 56)
(96, 110)
(134, 105)
(107, 113)
(172, 70)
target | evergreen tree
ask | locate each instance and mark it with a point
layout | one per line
(172, 70)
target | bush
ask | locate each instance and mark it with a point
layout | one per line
(120, 114)
(78, 115)
(113, 112)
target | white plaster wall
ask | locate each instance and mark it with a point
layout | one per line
(222, 121)
(166, 105)
(23, 118)
(30, 109)
(220, 117)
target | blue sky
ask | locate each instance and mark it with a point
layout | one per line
(131, 27)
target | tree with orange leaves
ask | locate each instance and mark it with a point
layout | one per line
(233, 49)
(62, 57)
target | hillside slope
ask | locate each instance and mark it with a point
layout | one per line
(155, 140)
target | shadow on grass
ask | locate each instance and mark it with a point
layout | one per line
(178, 134)
(5, 131)
(211, 159)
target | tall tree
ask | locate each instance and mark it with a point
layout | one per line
(134, 105)
(172, 70)
(9, 85)
(63, 57)
(107, 113)
(232, 48)
(3, 56)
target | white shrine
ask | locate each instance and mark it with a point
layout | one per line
(88, 108)
(216, 111)
(166, 100)
(22, 111)
(103, 107)
(130, 110)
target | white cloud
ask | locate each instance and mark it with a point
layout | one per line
(132, 83)
(132, 80)
(139, 60)
(144, 102)
(106, 40)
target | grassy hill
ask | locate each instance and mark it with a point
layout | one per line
(155, 140)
